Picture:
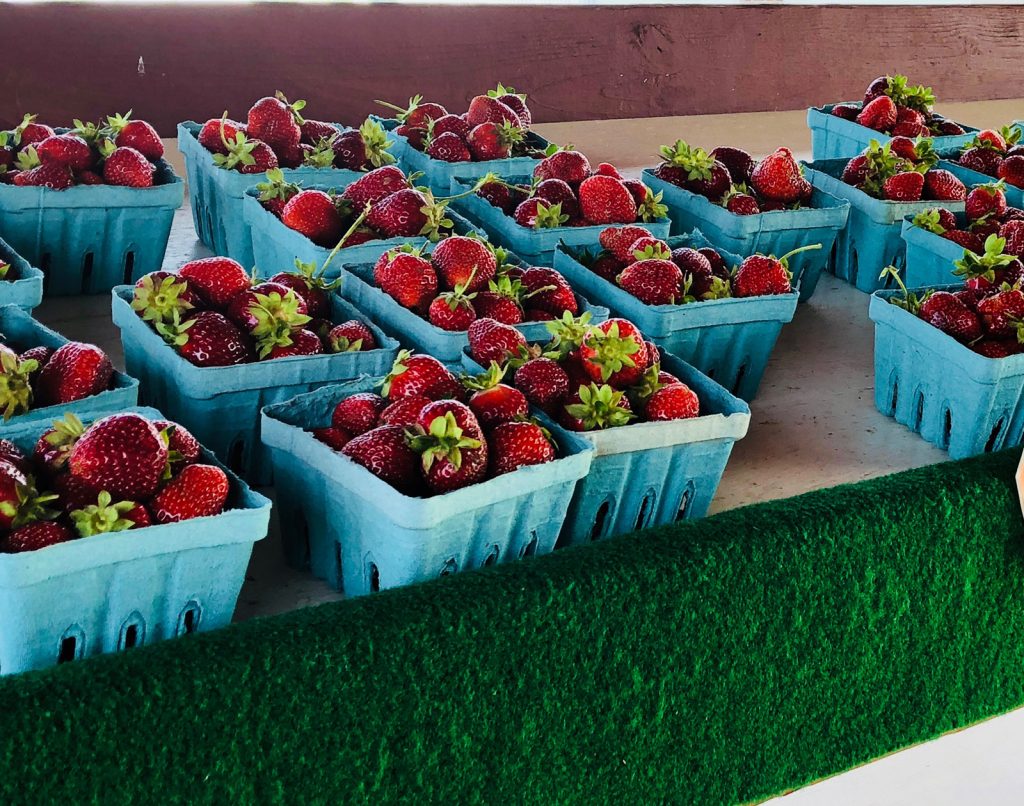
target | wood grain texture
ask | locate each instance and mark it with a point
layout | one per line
(576, 62)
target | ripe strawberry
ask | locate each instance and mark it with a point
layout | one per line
(36, 535)
(514, 101)
(295, 342)
(404, 411)
(943, 186)
(497, 402)
(983, 160)
(993, 348)
(363, 148)
(216, 279)
(492, 341)
(207, 339)
(418, 114)
(986, 200)
(127, 167)
(350, 337)
(910, 128)
(122, 454)
(695, 170)
(463, 261)
(386, 453)
(449, 147)
(216, 131)
(607, 266)
(547, 290)
(614, 353)
(53, 448)
(1011, 170)
(555, 191)
(183, 448)
(500, 303)
(737, 161)
(742, 204)
(991, 138)
(358, 413)
(765, 274)
(198, 491)
(535, 213)
(1011, 231)
(137, 134)
(778, 177)
(505, 197)
(275, 121)
(313, 131)
(544, 383)
(66, 149)
(309, 283)
(619, 240)
(878, 114)
(607, 169)
(483, 109)
(377, 185)
(315, 215)
(998, 311)
(649, 247)
(968, 240)
(452, 310)
(903, 147)
(9, 452)
(569, 166)
(453, 450)
(20, 503)
(493, 141)
(31, 132)
(420, 376)
(410, 280)
(905, 186)
(856, 171)
(653, 282)
(159, 294)
(53, 176)
(265, 307)
(334, 438)
(697, 275)
(604, 200)
(453, 124)
(944, 311)
(845, 111)
(406, 214)
(595, 407)
(676, 401)
(74, 371)
(518, 444)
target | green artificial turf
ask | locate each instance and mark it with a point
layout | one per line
(711, 662)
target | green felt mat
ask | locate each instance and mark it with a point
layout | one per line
(710, 662)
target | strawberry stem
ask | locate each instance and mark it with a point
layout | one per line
(341, 243)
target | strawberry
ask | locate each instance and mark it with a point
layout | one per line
(514, 101)
(198, 491)
(944, 311)
(845, 111)
(986, 200)
(595, 407)
(607, 169)
(66, 149)
(505, 197)
(765, 274)
(452, 310)
(449, 147)
(697, 276)
(904, 147)
(1011, 170)
(53, 448)
(614, 353)
(20, 502)
(40, 354)
(778, 177)
(420, 376)
(309, 283)
(405, 411)
(275, 121)
(547, 290)
(122, 454)
(493, 141)
(350, 337)
(335, 438)
(207, 339)
(910, 128)
(159, 294)
(1000, 312)
(494, 402)
(500, 302)
(216, 131)
(291, 343)
(737, 161)
(375, 186)
(1001, 348)
(968, 240)
(653, 282)
(555, 191)
(418, 114)
(315, 215)
(607, 266)
(386, 453)
(905, 186)
(742, 204)
(363, 148)
(619, 240)
(408, 213)
(878, 114)
(544, 383)
(313, 131)
(183, 448)
(941, 185)
(53, 176)
(28, 132)
(518, 444)
(452, 447)
(535, 213)
(15, 385)
(358, 413)
(483, 109)
(492, 341)
(74, 371)
(649, 247)
(990, 138)
(983, 160)
(449, 124)
(127, 167)
(9, 452)
(605, 200)
(464, 261)
(675, 401)
(410, 280)
(267, 308)
(693, 169)
(216, 279)
(276, 191)
(137, 134)
(856, 171)
(1011, 231)
(571, 167)
(104, 516)
(36, 535)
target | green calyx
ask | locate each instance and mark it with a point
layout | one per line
(63, 435)
(881, 165)
(927, 157)
(502, 90)
(314, 276)
(174, 332)
(654, 251)
(28, 159)
(5, 269)
(908, 302)
(29, 505)
(342, 344)
(90, 132)
(277, 316)
(103, 516)
(275, 186)
(509, 134)
(611, 352)
(918, 97)
(984, 265)
(294, 108)
(376, 142)
(437, 218)
(651, 208)
(549, 216)
(444, 439)
(459, 298)
(695, 161)
(1011, 134)
(567, 334)
(239, 149)
(649, 384)
(15, 386)
(600, 407)
(485, 380)
(158, 301)
(505, 286)
(20, 128)
(396, 369)
(929, 220)
(322, 155)
(115, 123)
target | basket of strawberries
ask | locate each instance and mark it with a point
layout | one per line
(21, 284)
(353, 223)
(492, 136)
(212, 347)
(949, 361)
(388, 481)
(883, 185)
(564, 200)
(224, 158)
(662, 431)
(429, 299)
(715, 310)
(118, 532)
(746, 205)
(891, 108)
(936, 238)
(91, 206)
(992, 155)
(42, 375)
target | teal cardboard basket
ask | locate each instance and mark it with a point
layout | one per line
(773, 233)
(412, 329)
(833, 137)
(438, 174)
(113, 592)
(361, 535)
(730, 340)
(650, 474)
(953, 397)
(89, 238)
(23, 287)
(930, 257)
(535, 246)
(276, 247)
(872, 237)
(20, 331)
(216, 195)
(221, 405)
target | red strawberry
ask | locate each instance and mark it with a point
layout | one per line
(9, 452)
(216, 130)
(208, 339)
(420, 376)
(362, 148)
(997, 348)
(418, 114)
(614, 353)
(53, 176)
(404, 411)
(122, 454)
(74, 371)
(406, 214)
(1011, 170)
(1012, 231)
(386, 453)
(846, 111)
(74, 493)
(986, 200)
(547, 290)
(313, 131)
(375, 186)
(358, 413)
(183, 447)
(555, 191)
(910, 128)
(216, 279)
(765, 274)
(498, 403)
(453, 450)
(136, 134)
(334, 438)
(410, 280)
(36, 535)
(717, 262)
(502, 306)
(349, 337)
(483, 109)
(450, 124)
(649, 247)
(696, 270)
(159, 294)
(198, 491)
(983, 160)
(519, 444)
(32, 132)
(605, 200)
(607, 169)
(127, 167)
(968, 240)
(653, 282)
(879, 114)
(998, 312)
(544, 383)
(452, 310)
(569, 166)
(449, 147)
(492, 341)
(608, 266)
(992, 138)
(296, 342)
(514, 101)
(778, 177)
(742, 204)
(275, 121)
(676, 401)
(53, 448)
(619, 240)
(535, 213)
(905, 186)
(20, 503)
(738, 162)
(944, 311)
(308, 282)
(315, 215)
(66, 149)
(856, 170)
(493, 141)
(267, 304)
(505, 197)
(943, 186)
(904, 147)
(462, 261)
